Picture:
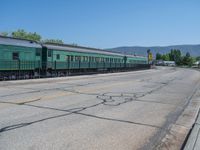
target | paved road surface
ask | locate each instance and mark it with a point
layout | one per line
(150, 109)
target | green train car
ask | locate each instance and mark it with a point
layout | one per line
(19, 55)
(67, 58)
(29, 59)
(62, 57)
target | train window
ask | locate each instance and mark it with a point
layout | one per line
(97, 59)
(77, 58)
(49, 53)
(86, 58)
(72, 58)
(67, 57)
(58, 56)
(37, 52)
(15, 56)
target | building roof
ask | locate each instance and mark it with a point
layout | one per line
(19, 42)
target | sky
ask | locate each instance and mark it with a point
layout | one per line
(106, 23)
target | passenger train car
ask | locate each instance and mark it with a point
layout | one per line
(21, 58)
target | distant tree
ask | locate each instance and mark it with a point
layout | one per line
(198, 58)
(34, 36)
(187, 54)
(54, 41)
(20, 33)
(158, 56)
(175, 55)
(165, 57)
(188, 60)
(193, 60)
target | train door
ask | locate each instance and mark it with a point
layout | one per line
(68, 61)
(44, 57)
(125, 61)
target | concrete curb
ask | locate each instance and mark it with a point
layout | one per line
(193, 141)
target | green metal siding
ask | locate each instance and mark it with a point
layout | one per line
(62, 62)
(27, 58)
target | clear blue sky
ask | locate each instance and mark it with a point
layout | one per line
(106, 23)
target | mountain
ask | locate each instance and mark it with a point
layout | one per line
(194, 50)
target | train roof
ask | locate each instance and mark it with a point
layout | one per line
(84, 49)
(81, 49)
(19, 42)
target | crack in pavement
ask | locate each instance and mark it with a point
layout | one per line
(108, 99)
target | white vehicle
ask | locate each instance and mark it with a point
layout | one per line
(169, 63)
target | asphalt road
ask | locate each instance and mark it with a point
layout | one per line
(150, 109)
